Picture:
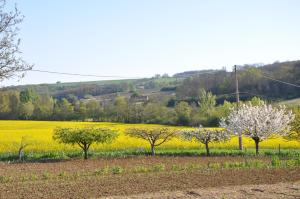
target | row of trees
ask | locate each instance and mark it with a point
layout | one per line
(258, 122)
(29, 105)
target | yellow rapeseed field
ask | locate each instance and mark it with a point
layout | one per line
(39, 134)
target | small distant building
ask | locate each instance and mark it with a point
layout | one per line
(139, 99)
(140, 87)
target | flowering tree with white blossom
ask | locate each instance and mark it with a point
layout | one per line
(258, 122)
(205, 136)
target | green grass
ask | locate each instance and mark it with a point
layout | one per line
(55, 156)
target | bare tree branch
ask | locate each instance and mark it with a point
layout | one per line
(11, 63)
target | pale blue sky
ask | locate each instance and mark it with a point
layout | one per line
(142, 38)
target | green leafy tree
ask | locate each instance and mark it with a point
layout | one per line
(28, 95)
(206, 114)
(4, 104)
(296, 123)
(93, 109)
(121, 109)
(183, 111)
(72, 98)
(84, 137)
(9, 104)
(136, 113)
(26, 110)
(14, 103)
(80, 110)
(155, 113)
(207, 101)
(295, 130)
(152, 113)
(63, 110)
(154, 136)
(256, 101)
(43, 107)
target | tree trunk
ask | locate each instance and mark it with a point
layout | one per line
(85, 154)
(21, 154)
(85, 150)
(256, 140)
(241, 147)
(207, 149)
(152, 150)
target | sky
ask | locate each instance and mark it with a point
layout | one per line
(141, 38)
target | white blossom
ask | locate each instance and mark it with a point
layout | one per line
(258, 122)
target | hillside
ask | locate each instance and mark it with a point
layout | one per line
(271, 82)
(292, 102)
(187, 84)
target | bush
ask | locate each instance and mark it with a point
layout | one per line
(84, 137)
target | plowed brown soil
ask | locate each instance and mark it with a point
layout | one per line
(129, 183)
(262, 191)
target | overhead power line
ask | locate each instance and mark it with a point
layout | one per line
(280, 81)
(277, 80)
(103, 76)
(83, 75)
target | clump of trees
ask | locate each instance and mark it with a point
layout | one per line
(183, 111)
(154, 136)
(28, 105)
(84, 137)
(206, 136)
(258, 122)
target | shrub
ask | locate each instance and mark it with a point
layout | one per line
(84, 137)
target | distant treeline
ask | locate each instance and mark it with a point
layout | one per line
(202, 98)
(28, 105)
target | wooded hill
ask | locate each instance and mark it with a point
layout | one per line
(253, 81)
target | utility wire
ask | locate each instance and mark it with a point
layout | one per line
(280, 81)
(103, 76)
(83, 75)
(277, 80)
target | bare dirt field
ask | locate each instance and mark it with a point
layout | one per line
(129, 177)
(264, 191)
